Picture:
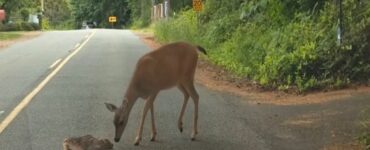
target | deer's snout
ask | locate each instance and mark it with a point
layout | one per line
(116, 140)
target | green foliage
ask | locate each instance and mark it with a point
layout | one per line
(140, 12)
(19, 26)
(365, 139)
(140, 15)
(175, 30)
(99, 11)
(138, 24)
(15, 7)
(45, 24)
(280, 44)
(64, 25)
(25, 13)
(56, 12)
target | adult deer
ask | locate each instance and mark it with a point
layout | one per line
(168, 66)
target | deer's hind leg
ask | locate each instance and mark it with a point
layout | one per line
(186, 98)
(189, 86)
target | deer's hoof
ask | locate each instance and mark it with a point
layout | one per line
(152, 139)
(154, 134)
(193, 135)
(181, 129)
(137, 141)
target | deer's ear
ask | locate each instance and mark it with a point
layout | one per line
(110, 107)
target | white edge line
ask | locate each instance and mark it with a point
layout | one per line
(55, 63)
(8, 119)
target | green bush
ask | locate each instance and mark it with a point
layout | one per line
(63, 25)
(365, 139)
(280, 44)
(25, 13)
(182, 28)
(27, 26)
(35, 26)
(45, 24)
(20, 26)
(137, 24)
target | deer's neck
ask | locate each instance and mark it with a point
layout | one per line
(130, 99)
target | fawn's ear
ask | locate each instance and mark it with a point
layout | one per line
(110, 107)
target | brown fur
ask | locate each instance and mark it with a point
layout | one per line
(87, 142)
(168, 66)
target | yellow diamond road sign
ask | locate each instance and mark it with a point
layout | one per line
(197, 5)
(112, 19)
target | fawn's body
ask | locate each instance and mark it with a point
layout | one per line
(86, 142)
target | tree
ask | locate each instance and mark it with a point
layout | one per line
(56, 11)
(99, 11)
(14, 6)
(2, 4)
(25, 14)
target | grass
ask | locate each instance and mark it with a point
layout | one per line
(365, 137)
(149, 29)
(9, 35)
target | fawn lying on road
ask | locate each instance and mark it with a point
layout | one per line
(87, 142)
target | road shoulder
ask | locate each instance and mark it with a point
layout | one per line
(22, 37)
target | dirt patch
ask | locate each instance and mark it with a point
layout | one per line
(216, 78)
(25, 36)
(148, 39)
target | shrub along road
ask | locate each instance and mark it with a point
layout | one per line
(71, 103)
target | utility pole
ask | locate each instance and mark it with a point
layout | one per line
(340, 30)
(167, 8)
(40, 14)
(42, 5)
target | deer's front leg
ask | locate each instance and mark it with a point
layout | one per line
(148, 104)
(195, 121)
(154, 130)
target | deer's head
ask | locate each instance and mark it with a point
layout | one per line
(120, 118)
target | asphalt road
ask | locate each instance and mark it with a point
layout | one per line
(72, 103)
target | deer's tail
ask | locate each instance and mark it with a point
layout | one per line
(201, 49)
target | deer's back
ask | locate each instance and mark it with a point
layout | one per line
(166, 67)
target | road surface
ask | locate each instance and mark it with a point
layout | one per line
(71, 103)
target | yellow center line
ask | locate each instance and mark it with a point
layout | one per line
(78, 44)
(5, 123)
(55, 63)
